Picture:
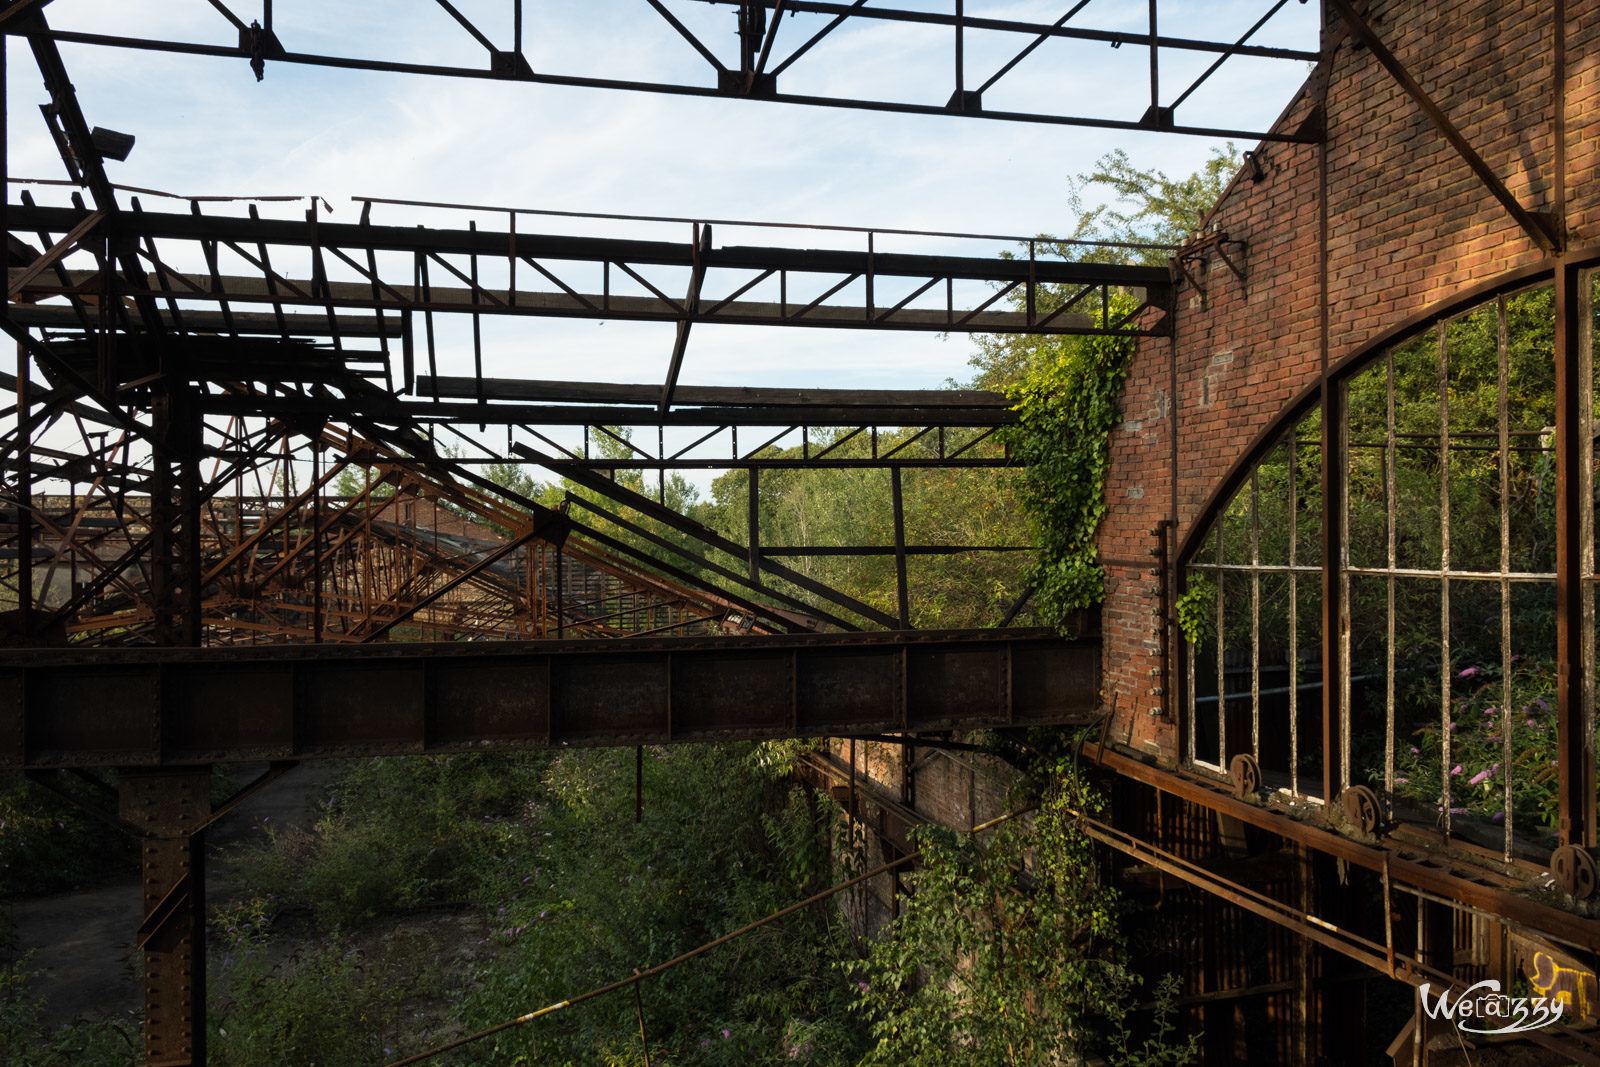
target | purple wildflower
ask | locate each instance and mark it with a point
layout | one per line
(1468, 672)
(1454, 771)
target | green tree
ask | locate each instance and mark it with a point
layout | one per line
(1148, 208)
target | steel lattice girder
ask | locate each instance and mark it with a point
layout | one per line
(760, 66)
(192, 706)
(352, 243)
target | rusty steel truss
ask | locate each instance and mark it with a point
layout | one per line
(237, 451)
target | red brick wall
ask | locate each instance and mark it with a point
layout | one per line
(1409, 225)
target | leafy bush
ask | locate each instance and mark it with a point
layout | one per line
(1008, 951)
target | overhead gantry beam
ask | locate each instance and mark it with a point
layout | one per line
(774, 36)
(179, 707)
(897, 284)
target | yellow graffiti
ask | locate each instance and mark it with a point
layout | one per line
(1573, 987)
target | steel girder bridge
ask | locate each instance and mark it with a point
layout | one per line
(194, 386)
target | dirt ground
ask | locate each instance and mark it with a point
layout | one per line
(83, 941)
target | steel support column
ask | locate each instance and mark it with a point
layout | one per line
(1574, 561)
(168, 808)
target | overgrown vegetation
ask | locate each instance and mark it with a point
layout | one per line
(1009, 950)
(1067, 406)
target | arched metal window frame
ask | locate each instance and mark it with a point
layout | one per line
(1574, 581)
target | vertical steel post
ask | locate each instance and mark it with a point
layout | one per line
(753, 492)
(168, 808)
(1574, 719)
(900, 549)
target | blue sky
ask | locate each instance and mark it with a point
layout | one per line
(205, 126)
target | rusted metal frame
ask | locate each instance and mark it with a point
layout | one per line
(467, 25)
(888, 550)
(901, 591)
(24, 7)
(1292, 440)
(269, 523)
(639, 582)
(173, 311)
(560, 448)
(675, 89)
(1335, 518)
(1445, 672)
(918, 291)
(838, 20)
(852, 435)
(165, 807)
(533, 530)
(71, 534)
(54, 254)
(983, 434)
(630, 609)
(65, 100)
(263, 262)
(338, 515)
(1391, 549)
(737, 293)
(818, 301)
(1574, 562)
(707, 564)
(1114, 37)
(423, 566)
(1154, 43)
(24, 456)
(691, 308)
(1222, 669)
(75, 294)
(968, 317)
(1346, 942)
(1382, 958)
(1226, 55)
(767, 41)
(238, 23)
(625, 442)
(669, 627)
(319, 278)
(164, 272)
(1066, 306)
(684, 32)
(370, 272)
(753, 522)
(208, 248)
(579, 297)
(74, 545)
(676, 307)
(276, 769)
(1255, 617)
(1503, 462)
(1028, 49)
(907, 443)
(1530, 222)
(479, 292)
(1475, 889)
(702, 439)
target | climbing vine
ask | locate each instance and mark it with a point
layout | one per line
(1197, 610)
(1067, 405)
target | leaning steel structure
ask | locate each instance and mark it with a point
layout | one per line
(1343, 680)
